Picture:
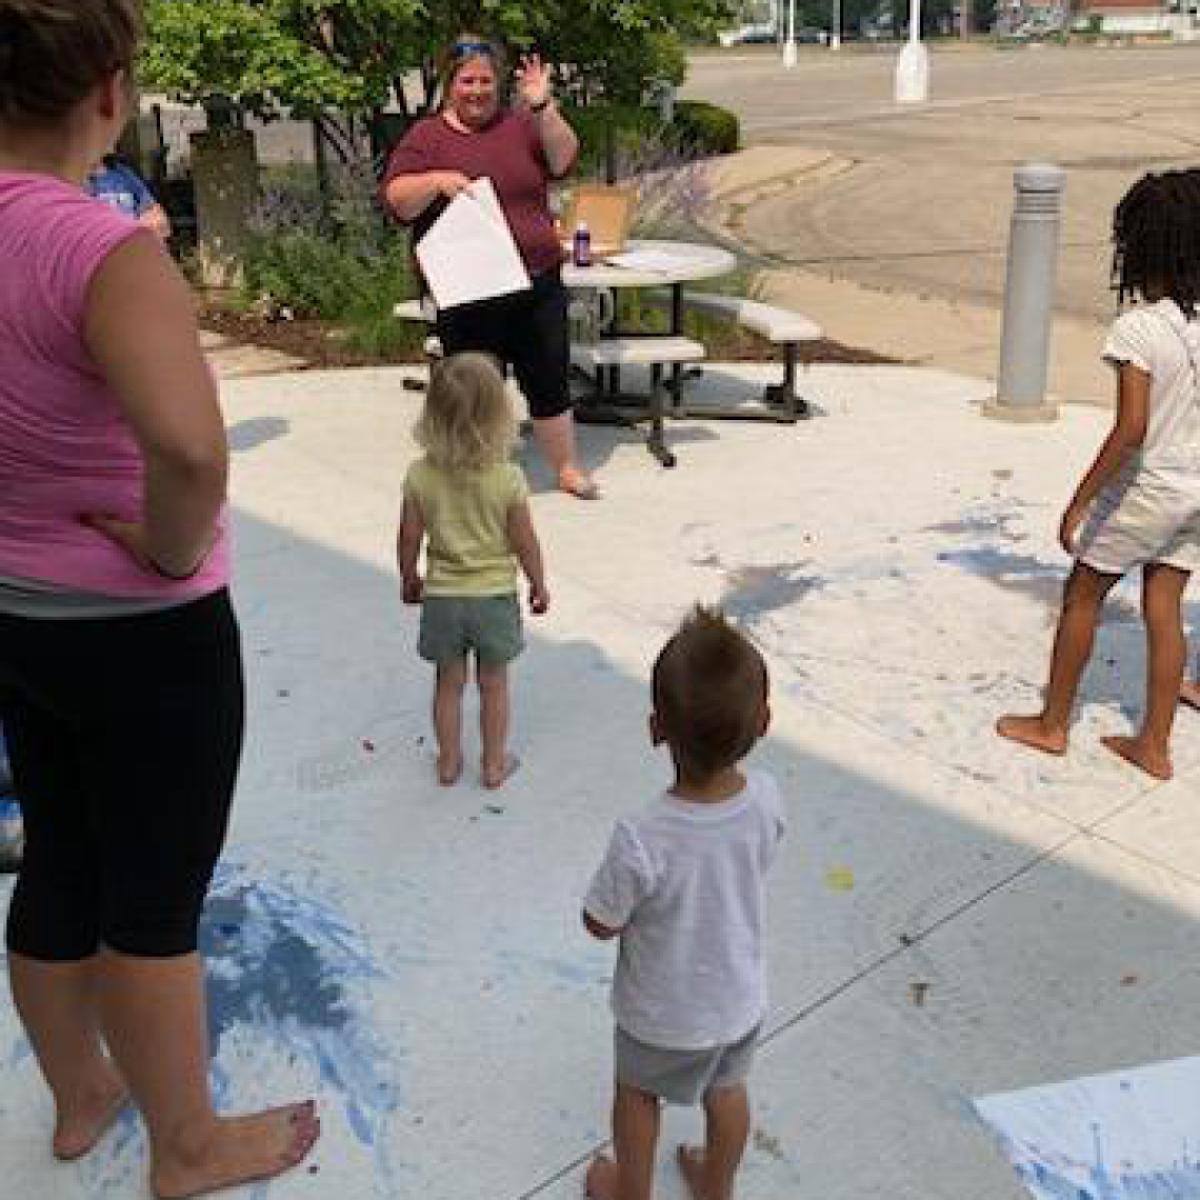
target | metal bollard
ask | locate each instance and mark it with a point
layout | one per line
(1029, 296)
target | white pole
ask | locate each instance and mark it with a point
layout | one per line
(789, 48)
(912, 64)
(835, 39)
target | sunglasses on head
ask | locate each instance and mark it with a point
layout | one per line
(472, 49)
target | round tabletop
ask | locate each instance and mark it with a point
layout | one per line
(666, 263)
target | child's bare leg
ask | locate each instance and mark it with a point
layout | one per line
(447, 719)
(635, 1136)
(1166, 656)
(1189, 689)
(710, 1171)
(497, 763)
(1083, 598)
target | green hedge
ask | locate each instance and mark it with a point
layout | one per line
(708, 127)
(698, 128)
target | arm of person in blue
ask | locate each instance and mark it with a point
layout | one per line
(123, 188)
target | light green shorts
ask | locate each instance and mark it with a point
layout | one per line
(454, 626)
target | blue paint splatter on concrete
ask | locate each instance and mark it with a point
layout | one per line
(1036, 579)
(287, 966)
(998, 522)
(992, 562)
(287, 983)
(1051, 1176)
(753, 591)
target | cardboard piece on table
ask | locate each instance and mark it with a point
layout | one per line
(469, 253)
(608, 213)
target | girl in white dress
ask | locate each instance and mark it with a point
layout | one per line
(1139, 503)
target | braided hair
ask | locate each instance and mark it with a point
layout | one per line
(1156, 240)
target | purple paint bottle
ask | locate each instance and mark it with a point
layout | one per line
(581, 246)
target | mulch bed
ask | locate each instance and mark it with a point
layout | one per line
(321, 344)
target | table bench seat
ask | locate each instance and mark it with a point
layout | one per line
(635, 351)
(781, 327)
(778, 325)
(414, 310)
(610, 354)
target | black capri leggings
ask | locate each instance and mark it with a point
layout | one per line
(527, 330)
(124, 736)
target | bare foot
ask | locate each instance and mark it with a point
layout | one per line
(1032, 731)
(691, 1167)
(1134, 750)
(449, 769)
(238, 1150)
(83, 1123)
(494, 777)
(1189, 693)
(577, 483)
(602, 1179)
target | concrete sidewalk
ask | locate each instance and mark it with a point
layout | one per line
(950, 916)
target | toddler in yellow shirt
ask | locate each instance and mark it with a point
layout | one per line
(467, 503)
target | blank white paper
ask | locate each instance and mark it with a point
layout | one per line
(469, 253)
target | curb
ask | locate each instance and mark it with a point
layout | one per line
(726, 222)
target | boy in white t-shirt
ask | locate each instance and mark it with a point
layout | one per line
(681, 885)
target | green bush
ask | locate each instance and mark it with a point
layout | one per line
(700, 129)
(334, 258)
(631, 126)
(373, 329)
(707, 127)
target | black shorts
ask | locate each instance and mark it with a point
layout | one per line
(525, 330)
(124, 736)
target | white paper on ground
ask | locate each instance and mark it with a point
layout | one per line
(469, 253)
(648, 260)
(1125, 1135)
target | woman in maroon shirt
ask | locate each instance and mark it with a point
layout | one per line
(520, 149)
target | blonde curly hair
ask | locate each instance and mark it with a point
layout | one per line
(468, 422)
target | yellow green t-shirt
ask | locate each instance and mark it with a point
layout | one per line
(466, 524)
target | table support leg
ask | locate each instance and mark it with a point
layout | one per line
(655, 441)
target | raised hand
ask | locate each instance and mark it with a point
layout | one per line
(534, 80)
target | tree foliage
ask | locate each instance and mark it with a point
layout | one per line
(304, 54)
(354, 55)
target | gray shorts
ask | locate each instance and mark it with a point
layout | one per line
(681, 1076)
(454, 626)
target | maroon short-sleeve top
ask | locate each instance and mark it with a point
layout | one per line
(509, 151)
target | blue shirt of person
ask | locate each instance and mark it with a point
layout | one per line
(122, 188)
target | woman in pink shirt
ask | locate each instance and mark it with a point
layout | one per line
(120, 666)
(520, 150)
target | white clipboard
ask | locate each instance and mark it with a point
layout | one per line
(469, 253)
